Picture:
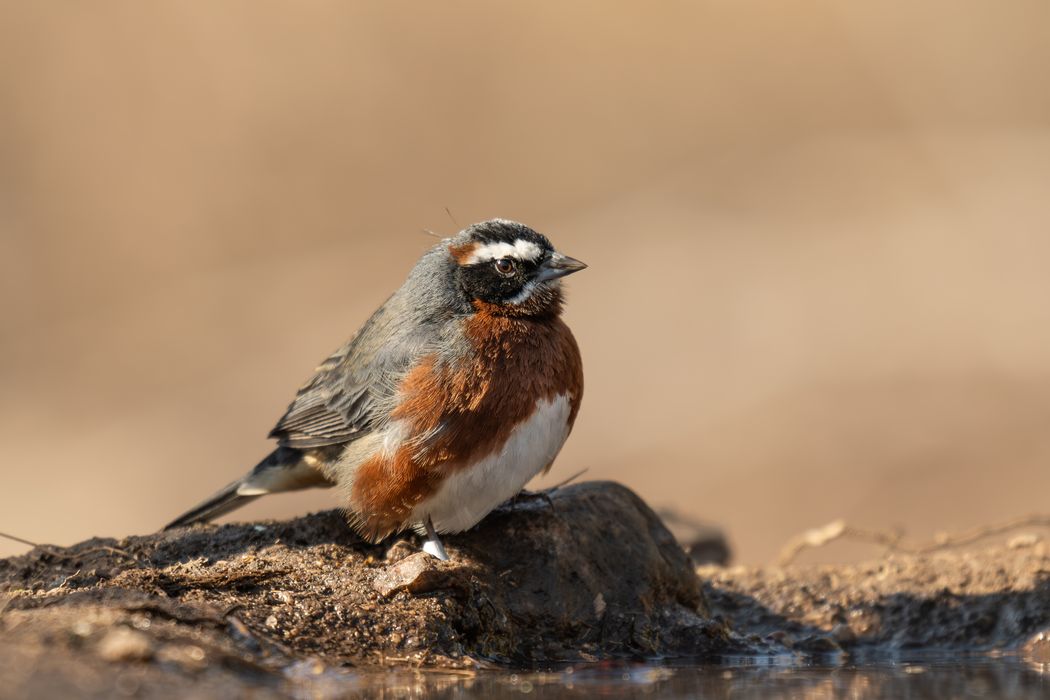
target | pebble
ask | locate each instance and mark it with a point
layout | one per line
(400, 550)
(1037, 649)
(1023, 541)
(599, 606)
(189, 656)
(123, 644)
(843, 634)
(283, 597)
(417, 573)
(83, 629)
(817, 644)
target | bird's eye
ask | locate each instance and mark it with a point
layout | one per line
(505, 266)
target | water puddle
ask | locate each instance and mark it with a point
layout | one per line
(740, 679)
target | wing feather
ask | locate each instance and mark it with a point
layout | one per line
(352, 391)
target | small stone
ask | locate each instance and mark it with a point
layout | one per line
(282, 597)
(1023, 541)
(123, 644)
(417, 573)
(1037, 649)
(817, 645)
(599, 605)
(271, 622)
(843, 633)
(189, 656)
(705, 544)
(83, 629)
(401, 549)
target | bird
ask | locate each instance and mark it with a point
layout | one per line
(460, 388)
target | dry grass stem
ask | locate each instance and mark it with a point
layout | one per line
(894, 542)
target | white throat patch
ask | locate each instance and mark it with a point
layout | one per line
(520, 250)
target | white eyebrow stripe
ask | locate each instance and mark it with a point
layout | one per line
(520, 249)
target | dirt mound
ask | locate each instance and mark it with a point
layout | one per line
(585, 572)
(577, 575)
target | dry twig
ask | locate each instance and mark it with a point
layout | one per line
(54, 551)
(18, 539)
(894, 541)
(569, 480)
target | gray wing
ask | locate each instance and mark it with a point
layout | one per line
(352, 391)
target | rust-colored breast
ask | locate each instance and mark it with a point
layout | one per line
(465, 411)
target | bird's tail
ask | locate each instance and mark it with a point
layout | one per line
(284, 469)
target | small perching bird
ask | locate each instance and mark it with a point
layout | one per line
(457, 391)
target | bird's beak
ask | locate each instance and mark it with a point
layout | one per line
(559, 266)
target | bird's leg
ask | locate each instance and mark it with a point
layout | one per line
(433, 545)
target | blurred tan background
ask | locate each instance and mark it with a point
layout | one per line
(819, 238)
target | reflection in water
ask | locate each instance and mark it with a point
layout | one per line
(991, 678)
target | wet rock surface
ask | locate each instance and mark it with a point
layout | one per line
(583, 573)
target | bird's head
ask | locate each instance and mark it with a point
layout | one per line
(510, 268)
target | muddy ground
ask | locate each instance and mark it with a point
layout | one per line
(584, 574)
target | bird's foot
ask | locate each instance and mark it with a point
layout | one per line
(433, 545)
(524, 496)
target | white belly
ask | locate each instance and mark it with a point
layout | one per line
(469, 494)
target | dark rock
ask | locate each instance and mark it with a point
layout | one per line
(817, 644)
(705, 542)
